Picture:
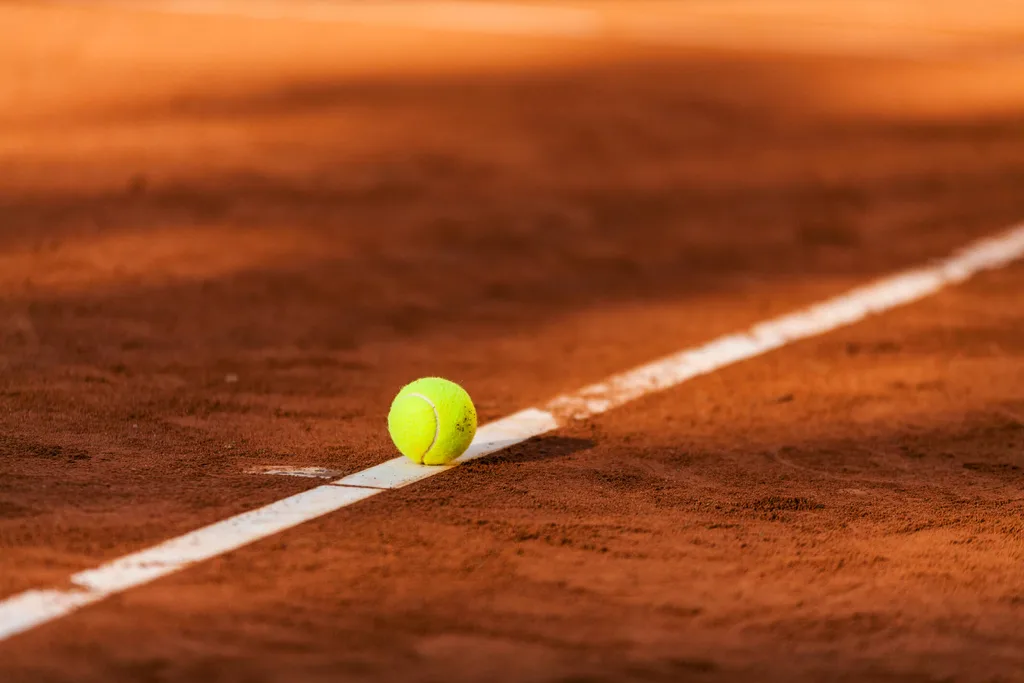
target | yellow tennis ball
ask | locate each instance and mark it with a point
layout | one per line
(432, 421)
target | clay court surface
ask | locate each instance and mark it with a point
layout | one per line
(226, 241)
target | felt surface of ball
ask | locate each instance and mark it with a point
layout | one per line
(432, 421)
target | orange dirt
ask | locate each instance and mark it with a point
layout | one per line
(328, 211)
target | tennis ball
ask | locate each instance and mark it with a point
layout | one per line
(432, 421)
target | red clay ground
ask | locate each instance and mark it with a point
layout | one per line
(326, 212)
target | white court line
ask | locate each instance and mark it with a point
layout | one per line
(26, 610)
(293, 471)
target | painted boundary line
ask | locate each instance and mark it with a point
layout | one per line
(32, 608)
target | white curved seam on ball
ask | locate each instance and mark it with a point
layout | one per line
(437, 425)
